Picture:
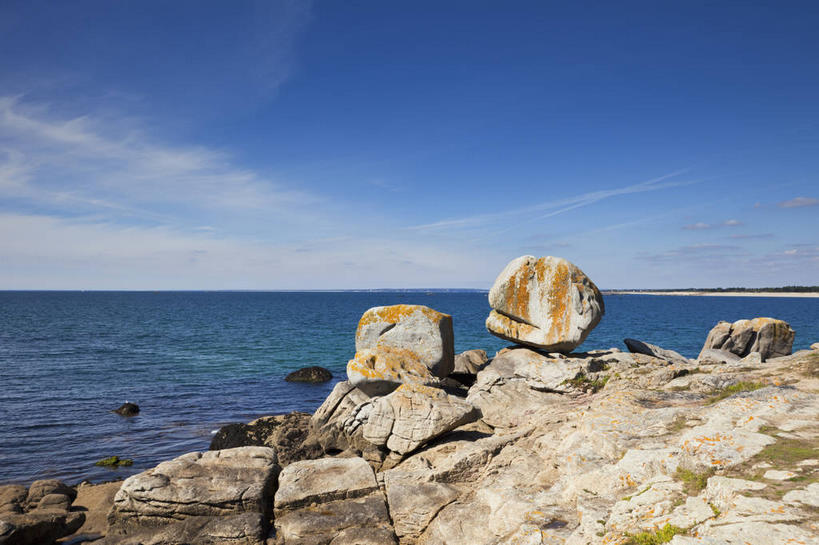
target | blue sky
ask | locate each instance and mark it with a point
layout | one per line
(296, 145)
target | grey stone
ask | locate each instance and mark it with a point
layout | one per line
(639, 347)
(770, 337)
(546, 303)
(242, 529)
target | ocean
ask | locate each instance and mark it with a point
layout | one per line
(194, 361)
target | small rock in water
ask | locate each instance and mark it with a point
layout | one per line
(313, 374)
(114, 461)
(128, 409)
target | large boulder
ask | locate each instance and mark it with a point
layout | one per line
(242, 529)
(546, 303)
(287, 433)
(331, 500)
(401, 344)
(467, 365)
(413, 415)
(214, 483)
(769, 337)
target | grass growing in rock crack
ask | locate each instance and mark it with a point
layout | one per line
(743, 386)
(661, 535)
(693, 483)
(582, 382)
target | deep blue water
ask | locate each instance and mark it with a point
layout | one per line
(196, 360)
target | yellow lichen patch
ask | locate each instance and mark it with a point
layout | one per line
(395, 313)
(558, 297)
(389, 363)
(429, 391)
(516, 293)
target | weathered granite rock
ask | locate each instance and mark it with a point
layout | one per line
(127, 409)
(38, 527)
(814, 346)
(639, 347)
(287, 433)
(546, 303)
(214, 483)
(39, 515)
(331, 500)
(413, 415)
(337, 424)
(467, 365)
(413, 504)
(242, 529)
(770, 337)
(313, 374)
(713, 356)
(401, 344)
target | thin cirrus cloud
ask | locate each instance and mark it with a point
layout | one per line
(66, 163)
(553, 208)
(701, 226)
(799, 202)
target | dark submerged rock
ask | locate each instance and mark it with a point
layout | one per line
(127, 409)
(313, 374)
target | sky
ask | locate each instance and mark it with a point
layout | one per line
(154, 145)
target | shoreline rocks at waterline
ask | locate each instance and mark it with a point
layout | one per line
(401, 344)
(639, 347)
(546, 303)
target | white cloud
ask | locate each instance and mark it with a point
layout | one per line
(799, 202)
(698, 226)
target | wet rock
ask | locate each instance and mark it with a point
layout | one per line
(639, 347)
(545, 303)
(127, 409)
(12, 498)
(401, 344)
(413, 415)
(214, 483)
(770, 337)
(331, 500)
(287, 433)
(313, 374)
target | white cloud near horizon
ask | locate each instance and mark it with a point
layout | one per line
(799, 202)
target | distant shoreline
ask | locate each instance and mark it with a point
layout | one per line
(721, 293)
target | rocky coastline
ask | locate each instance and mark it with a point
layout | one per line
(539, 444)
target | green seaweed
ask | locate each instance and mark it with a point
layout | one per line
(114, 461)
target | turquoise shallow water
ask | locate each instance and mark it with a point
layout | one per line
(196, 360)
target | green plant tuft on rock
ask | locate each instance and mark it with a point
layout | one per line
(743, 386)
(661, 535)
(582, 382)
(114, 461)
(693, 483)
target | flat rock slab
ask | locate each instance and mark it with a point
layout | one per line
(243, 529)
(413, 415)
(546, 303)
(331, 501)
(214, 483)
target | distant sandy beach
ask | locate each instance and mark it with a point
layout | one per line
(721, 294)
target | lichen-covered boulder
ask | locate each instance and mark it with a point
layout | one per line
(546, 303)
(401, 344)
(769, 337)
(413, 415)
(214, 483)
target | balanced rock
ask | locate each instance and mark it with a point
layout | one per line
(639, 347)
(313, 374)
(401, 344)
(770, 337)
(215, 483)
(413, 415)
(546, 303)
(331, 500)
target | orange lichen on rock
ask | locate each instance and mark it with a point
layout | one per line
(395, 313)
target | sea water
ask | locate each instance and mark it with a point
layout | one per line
(194, 361)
